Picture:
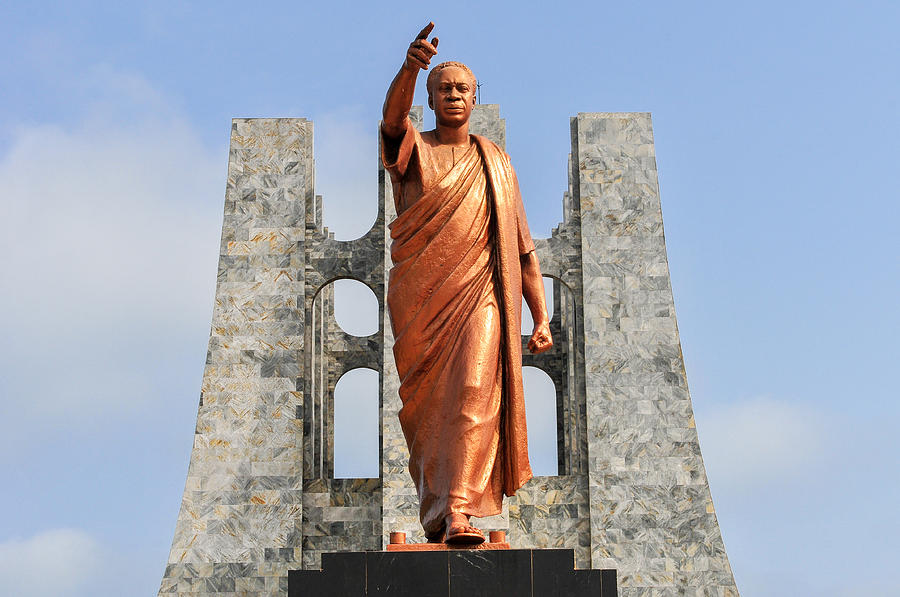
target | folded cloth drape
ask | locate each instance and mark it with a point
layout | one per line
(454, 295)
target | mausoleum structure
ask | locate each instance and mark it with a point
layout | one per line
(261, 496)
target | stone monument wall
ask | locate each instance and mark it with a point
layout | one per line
(240, 525)
(652, 516)
(261, 498)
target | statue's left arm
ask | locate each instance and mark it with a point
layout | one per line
(533, 291)
(532, 281)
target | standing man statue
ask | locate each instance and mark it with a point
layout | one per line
(462, 260)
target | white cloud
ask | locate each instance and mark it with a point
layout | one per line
(109, 250)
(55, 563)
(107, 222)
(760, 440)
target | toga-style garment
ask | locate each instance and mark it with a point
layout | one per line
(455, 300)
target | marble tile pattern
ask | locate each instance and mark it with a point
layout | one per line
(239, 527)
(651, 515)
(260, 496)
(340, 515)
(552, 512)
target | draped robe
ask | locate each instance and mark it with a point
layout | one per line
(455, 297)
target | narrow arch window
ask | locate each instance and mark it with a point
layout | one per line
(341, 168)
(355, 307)
(540, 412)
(527, 321)
(356, 428)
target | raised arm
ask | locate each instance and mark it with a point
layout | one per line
(533, 291)
(400, 94)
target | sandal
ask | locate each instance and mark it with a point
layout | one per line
(463, 534)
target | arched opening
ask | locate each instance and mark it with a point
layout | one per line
(340, 308)
(355, 307)
(540, 412)
(527, 321)
(564, 367)
(344, 149)
(356, 430)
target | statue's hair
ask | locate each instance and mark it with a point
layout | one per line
(433, 75)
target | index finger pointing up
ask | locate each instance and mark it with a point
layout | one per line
(423, 34)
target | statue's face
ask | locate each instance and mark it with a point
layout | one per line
(452, 96)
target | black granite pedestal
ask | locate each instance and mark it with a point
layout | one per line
(453, 573)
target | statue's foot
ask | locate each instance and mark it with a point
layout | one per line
(464, 535)
(460, 532)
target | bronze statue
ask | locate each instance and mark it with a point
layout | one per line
(462, 260)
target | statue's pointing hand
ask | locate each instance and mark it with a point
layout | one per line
(420, 51)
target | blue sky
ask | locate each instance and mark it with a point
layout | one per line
(776, 130)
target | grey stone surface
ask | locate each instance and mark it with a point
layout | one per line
(340, 515)
(260, 498)
(652, 516)
(239, 527)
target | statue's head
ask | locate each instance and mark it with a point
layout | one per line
(451, 92)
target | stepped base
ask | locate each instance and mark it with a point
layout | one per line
(444, 547)
(452, 573)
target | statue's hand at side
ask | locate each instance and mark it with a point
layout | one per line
(540, 341)
(421, 50)
(533, 291)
